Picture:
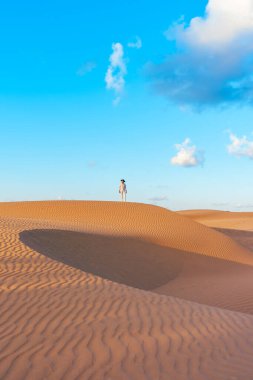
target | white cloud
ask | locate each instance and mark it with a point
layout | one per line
(86, 68)
(240, 146)
(116, 72)
(187, 155)
(224, 22)
(135, 45)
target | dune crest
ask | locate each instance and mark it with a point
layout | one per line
(221, 219)
(146, 222)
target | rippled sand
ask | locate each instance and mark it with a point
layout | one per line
(105, 290)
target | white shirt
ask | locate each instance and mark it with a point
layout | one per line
(122, 188)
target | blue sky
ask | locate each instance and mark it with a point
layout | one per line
(171, 113)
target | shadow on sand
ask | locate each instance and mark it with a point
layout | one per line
(124, 260)
(245, 238)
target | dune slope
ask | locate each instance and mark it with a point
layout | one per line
(221, 219)
(150, 223)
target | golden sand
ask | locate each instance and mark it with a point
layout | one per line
(80, 284)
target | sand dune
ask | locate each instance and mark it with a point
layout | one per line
(237, 225)
(149, 223)
(222, 219)
(244, 238)
(124, 260)
(220, 283)
(61, 322)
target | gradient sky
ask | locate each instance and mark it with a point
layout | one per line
(174, 119)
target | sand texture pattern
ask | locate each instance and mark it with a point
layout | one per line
(222, 219)
(79, 295)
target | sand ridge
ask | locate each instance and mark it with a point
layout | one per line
(205, 280)
(58, 322)
(221, 219)
(150, 223)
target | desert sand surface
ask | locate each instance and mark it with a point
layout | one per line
(229, 284)
(222, 219)
(237, 225)
(109, 290)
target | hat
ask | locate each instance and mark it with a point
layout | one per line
(122, 180)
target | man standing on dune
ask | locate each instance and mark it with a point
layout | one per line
(123, 190)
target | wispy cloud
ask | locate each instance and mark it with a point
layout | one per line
(116, 72)
(92, 164)
(86, 68)
(240, 146)
(244, 205)
(137, 44)
(188, 155)
(159, 199)
(220, 204)
(214, 60)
